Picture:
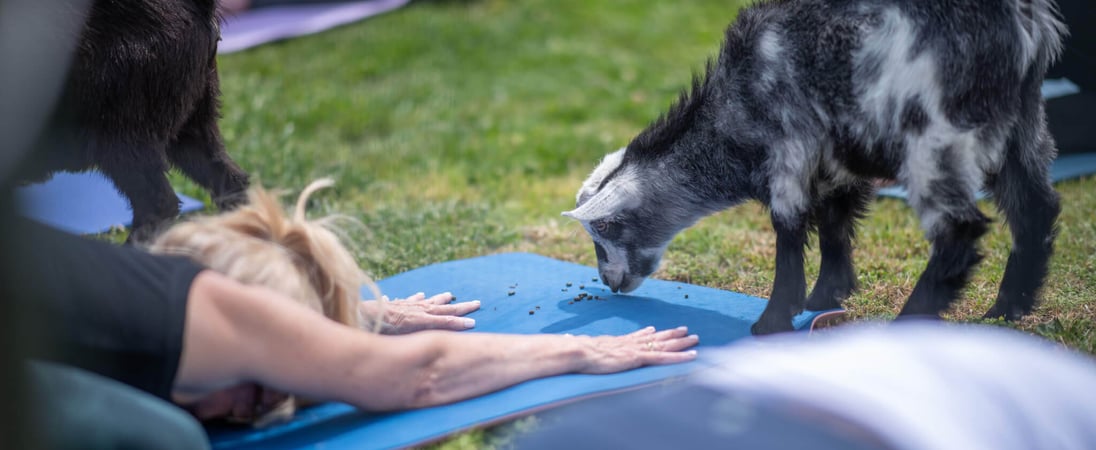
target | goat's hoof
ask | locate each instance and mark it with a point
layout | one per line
(999, 312)
(761, 328)
(822, 303)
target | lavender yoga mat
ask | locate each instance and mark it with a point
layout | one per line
(264, 25)
(82, 203)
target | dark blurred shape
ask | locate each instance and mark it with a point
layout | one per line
(82, 410)
(1070, 117)
(694, 417)
(1070, 121)
(37, 40)
(911, 384)
(1078, 61)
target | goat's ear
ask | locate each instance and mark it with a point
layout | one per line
(605, 203)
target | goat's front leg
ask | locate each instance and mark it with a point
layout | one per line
(789, 286)
(836, 218)
(140, 174)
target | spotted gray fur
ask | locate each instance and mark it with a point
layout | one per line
(807, 103)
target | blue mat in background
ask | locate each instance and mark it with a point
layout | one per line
(82, 203)
(1066, 167)
(542, 302)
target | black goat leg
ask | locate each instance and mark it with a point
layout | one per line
(1024, 194)
(140, 174)
(836, 217)
(789, 285)
(200, 154)
(954, 253)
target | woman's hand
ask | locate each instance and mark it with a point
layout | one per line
(417, 313)
(609, 354)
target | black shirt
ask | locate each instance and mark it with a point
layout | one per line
(113, 310)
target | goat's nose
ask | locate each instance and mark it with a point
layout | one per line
(612, 279)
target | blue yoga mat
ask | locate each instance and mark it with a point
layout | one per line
(542, 302)
(82, 203)
(1066, 167)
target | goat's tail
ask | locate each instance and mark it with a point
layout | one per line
(1043, 31)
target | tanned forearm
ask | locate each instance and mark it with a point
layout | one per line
(460, 366)
(238, 333)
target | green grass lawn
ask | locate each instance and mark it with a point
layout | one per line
(462, 128)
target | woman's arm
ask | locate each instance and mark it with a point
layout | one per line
(418, 313)
(236, 333)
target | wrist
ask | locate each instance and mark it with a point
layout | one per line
(578, 351)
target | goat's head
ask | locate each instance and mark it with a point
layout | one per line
(629, 218)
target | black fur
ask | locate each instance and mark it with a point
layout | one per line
(143, 95)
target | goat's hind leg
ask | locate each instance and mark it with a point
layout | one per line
(836, 218)
(199, 153)
(953, 222)
(1024, 195)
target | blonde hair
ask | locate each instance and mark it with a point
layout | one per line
(260, 244)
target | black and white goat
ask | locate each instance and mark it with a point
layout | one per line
(142, 93)
(808, 102)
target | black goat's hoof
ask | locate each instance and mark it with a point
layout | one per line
(998, 312)
(761, 328)
(822, 303)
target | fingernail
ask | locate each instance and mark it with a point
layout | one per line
(422, 294)
(694, 336)
(476, 302)
(467, 322)
(447, 293)
(692, 352)
(683, 328)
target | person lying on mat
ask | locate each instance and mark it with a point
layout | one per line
(264, 304)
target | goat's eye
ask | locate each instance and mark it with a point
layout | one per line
(601, 226)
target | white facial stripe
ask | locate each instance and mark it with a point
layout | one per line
(622, 192)
(608, 164)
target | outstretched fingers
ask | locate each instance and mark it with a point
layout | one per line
(418, 312)
(609, 354)
(666, 347)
